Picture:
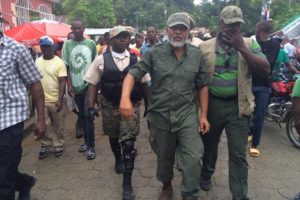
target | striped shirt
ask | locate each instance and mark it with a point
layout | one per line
(224, 83)
(17, 70)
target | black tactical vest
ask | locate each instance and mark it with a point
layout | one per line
(112, 79)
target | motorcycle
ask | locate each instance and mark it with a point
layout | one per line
(279, 109)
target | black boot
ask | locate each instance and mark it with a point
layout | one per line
(128, 159)
(127, 187)
(116, 149)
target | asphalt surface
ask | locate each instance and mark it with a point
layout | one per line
(275, 175)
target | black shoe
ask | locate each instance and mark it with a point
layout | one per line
(127, 193)
(24, 193)
(44, 151)
(205, 184)
(91, 153)
(83, 148)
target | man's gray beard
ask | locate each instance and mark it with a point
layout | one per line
(178, 44)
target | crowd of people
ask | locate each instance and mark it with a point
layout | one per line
(193, 90)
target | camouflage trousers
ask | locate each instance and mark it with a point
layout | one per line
(117, 127)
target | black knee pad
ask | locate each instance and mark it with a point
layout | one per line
(114, 144)
(128, 154)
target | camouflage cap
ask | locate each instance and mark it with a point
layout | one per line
(117, 30)
(192, 21)
(231, 14)
(178, 18)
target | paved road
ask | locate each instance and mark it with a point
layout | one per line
(275, 175)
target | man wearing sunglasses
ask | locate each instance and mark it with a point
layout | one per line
(231, 60)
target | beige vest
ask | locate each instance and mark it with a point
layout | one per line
(245, 95)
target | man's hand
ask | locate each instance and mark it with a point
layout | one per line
(126, 108)
(71, 90)
(39, 129)
(234, 39)
(92, 112)
(58, 105)
(204, 125)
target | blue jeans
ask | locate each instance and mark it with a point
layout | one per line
(262, 96)
(87, 126)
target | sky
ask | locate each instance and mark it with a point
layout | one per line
(197, 1)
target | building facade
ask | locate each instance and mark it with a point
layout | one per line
(17, 12)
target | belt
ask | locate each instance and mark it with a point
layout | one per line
(235, 97)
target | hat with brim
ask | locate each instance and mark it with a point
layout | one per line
(178, 19)
(117, 30)
(231, 14)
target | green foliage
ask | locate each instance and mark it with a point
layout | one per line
(282, 11)
(107, 13)
(94, 13)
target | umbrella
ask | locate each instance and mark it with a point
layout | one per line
(30, 33)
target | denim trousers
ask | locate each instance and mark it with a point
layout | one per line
(87, 125)
(262, 97)
(10, 157)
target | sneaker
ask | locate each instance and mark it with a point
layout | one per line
(44, 151)
(79, 131)
(83, 148)
(91, 154)
(205, 184)
(59, 150)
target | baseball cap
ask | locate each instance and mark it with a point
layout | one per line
(117, 30)
(231, 14)
(178, 18)
(46, 40)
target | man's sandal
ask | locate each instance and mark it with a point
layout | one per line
(254, 152)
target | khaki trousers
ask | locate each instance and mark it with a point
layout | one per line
(55, 122)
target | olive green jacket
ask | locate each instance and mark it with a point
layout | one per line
(245, 95)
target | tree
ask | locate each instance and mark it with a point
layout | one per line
(94, 13)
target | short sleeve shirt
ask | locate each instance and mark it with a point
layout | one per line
(296, 89)
(281, 59)
(94, 73)
(17, 70)
(174, 85)
(224, 83)
(51, 70)
(78, 56)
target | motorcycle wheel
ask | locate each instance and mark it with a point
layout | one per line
(291, 132)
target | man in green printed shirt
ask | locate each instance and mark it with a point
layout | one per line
(179, 86)
(231, 60)
(296, 105)
(78, 53)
